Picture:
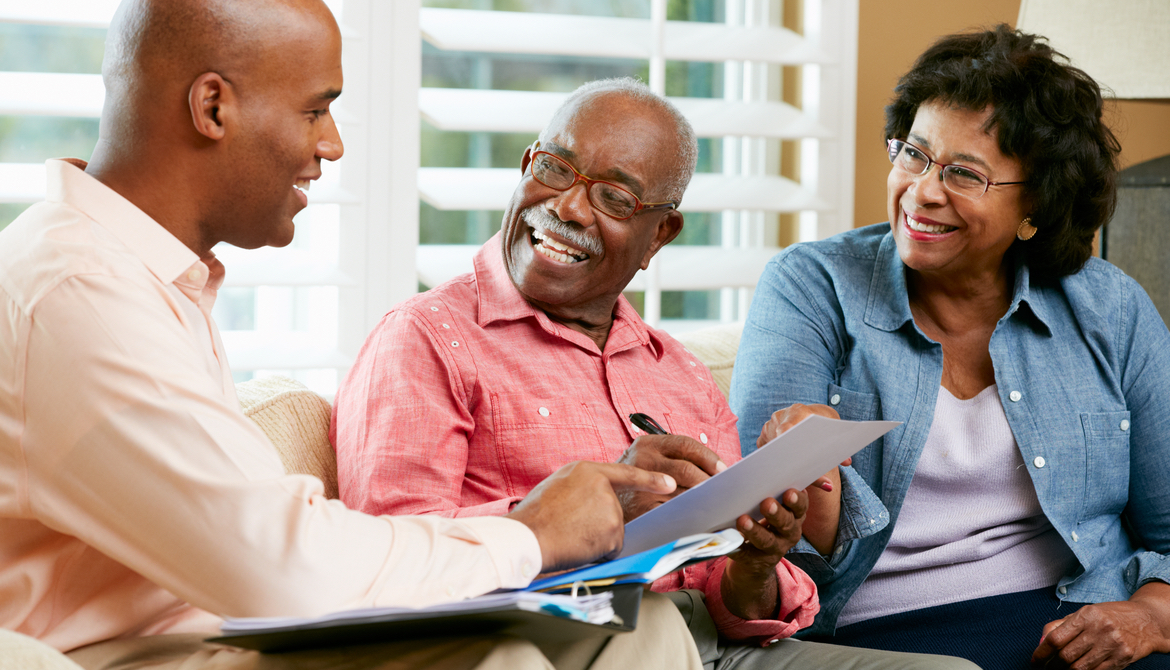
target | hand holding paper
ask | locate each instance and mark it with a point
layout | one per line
(793, 460)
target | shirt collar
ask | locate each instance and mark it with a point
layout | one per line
(500, 300)
(160, 251)
(888, 305)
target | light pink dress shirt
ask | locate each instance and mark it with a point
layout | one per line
(135, 498)
(465, 397)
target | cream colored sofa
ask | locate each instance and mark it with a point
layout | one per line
(297, 421)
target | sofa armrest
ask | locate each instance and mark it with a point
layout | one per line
(296, 420)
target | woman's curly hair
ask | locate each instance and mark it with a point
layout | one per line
(1047, 115)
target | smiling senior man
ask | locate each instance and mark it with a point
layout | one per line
(466, 396)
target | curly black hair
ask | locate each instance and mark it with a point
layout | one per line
(1047, 114)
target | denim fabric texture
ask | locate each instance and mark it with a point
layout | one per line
(1083, 372)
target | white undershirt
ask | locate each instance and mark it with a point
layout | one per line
(971, 525)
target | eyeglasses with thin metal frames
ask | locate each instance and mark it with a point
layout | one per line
(948, 172)
(604, 206)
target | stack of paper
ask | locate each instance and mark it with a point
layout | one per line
(647, 566)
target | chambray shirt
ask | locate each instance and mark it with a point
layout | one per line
(1083, 373)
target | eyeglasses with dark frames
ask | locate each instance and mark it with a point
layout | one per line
(608, 198)
(958, 179)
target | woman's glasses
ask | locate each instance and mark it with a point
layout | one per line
(957, 178)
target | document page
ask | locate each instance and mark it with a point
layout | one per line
(791, 461)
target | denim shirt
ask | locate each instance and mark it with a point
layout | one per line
(1083, 373)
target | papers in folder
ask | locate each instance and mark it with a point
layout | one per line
(647, 566)
(536, 616)
(793, 460)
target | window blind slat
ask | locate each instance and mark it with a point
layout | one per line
(51, 94)
(471, 110)
(588, 36)
(78, 13)
(281, 350)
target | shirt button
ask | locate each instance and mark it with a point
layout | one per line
(1015, 396)
(1075, 537)
(1039, 462)
(446, 326)
(703, 438)
(694, 364)
(434, 309)
(836, 399)
(1063, 590)
(543, 411)
(773, 641)
(454, 344)
(194, 275)
(1125, 424)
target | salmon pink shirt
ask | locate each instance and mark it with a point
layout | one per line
(135, 497)
(465, 397)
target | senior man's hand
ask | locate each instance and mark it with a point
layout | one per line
(1109, 635)
(575, 513)
(824, 495)
(749, 587)
(683, 458)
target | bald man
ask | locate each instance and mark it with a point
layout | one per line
(137, 504)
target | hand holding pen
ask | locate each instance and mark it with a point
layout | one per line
(684, 458)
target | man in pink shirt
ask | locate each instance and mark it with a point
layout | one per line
(466, 396)
(137, 504)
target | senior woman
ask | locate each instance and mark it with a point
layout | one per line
(1028, 485)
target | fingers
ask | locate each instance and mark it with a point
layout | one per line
(780, 530)
(628, 477)
(787, 417)
(683, 458)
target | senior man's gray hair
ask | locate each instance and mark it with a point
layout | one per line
(687, 151)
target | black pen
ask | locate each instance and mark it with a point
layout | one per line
(647, 424)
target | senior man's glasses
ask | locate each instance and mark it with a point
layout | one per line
(957, 178)
(611, 199)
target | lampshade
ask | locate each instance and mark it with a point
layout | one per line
(1123, 44)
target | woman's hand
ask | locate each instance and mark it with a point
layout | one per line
(749, 586)
(1109, 635)
(824, 495)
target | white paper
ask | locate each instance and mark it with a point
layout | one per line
(793, 460)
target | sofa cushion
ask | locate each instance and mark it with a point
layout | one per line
(715, 347)
(297, 421)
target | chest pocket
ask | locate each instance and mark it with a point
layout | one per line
(1106, 462)
(692, 425)
(534, 436)
(852, 405)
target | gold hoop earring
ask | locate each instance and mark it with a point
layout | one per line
(1025, 231)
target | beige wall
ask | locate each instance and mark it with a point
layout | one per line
(894, 32)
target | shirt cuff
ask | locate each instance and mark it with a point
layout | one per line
(1147, 566)
(796, 595)
(513, 548)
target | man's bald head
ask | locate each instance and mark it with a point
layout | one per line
(682, 155)
(217, 114)
(155, 48)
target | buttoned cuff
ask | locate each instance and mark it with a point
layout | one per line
(513, 548)
(797, 606)
(862, 515)
(1148, 566)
